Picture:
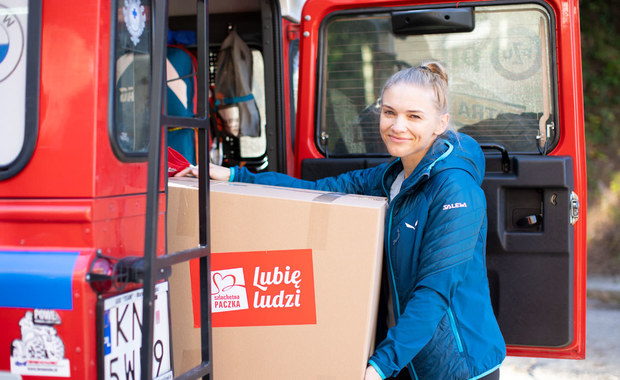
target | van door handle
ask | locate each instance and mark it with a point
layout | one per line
(503, 151)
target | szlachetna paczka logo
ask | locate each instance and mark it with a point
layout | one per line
(11, 42)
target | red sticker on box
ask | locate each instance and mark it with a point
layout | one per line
(264, 288)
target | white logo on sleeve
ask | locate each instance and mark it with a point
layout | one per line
(454, 205)
(410, 226)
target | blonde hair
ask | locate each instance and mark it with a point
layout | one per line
(429, 74)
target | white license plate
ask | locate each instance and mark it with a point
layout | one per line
(122, 337)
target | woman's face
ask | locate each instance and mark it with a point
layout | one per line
(410, 122)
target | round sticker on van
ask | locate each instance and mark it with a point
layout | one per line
(11, 42)
(135, 19)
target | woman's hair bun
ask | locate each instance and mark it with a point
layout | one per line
(436, 68)
(430, 74)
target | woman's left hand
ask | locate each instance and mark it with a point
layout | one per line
(371, 374)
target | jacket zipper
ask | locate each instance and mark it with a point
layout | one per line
(395, 301)
(389, 251)
(455, 331)
(396, 309)
(415, 375)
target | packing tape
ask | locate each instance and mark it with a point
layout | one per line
(328, 197)
(319, 224)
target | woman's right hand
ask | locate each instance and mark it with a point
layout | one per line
(219, 173)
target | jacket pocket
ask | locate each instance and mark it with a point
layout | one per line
(442, 357)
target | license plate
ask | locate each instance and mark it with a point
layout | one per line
(122, 335)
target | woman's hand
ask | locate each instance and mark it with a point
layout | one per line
(219, 173)
(190, 171)
(371, 374)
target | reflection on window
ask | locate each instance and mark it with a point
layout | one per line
(132, 82)
(500, 77)
(294, 84)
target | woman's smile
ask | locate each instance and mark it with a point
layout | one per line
(400, 139)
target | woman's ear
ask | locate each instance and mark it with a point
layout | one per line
(444, 119)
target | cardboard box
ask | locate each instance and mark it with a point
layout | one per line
(295, 280)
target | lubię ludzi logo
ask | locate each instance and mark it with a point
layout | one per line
(261, 288)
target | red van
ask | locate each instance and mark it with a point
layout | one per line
(83, 137)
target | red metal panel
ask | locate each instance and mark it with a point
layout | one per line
(74, 194)
(73, 156)
(291, 33)
(115, 225)
(76, 329)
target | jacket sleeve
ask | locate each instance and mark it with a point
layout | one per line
(365, 181)
(455, 222)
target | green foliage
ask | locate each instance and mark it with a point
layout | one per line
(601, 78)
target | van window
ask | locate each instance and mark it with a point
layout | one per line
(13, 58)
(132, 78)
(500, 78)
(242, 150)
(253, 147)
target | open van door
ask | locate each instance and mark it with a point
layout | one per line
(515, 83)
(143, 71)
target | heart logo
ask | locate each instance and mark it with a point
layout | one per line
(223, 283)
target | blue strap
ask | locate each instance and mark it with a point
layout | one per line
(234, 100)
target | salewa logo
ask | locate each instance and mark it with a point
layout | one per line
(410, 226)
(454, 205)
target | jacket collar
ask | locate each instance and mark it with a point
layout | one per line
(440, 150)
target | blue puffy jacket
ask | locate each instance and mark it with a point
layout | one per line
(435, 239)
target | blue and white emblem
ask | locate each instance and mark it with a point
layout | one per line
(11, 42)
(135, 19)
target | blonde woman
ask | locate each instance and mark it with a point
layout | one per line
(440, 323)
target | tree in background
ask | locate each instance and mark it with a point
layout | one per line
(601, 78)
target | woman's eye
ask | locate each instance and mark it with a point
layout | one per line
(414, 117)
(388, 112)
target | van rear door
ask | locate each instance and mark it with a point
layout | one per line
(515, 83)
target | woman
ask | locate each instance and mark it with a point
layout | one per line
(440, 319)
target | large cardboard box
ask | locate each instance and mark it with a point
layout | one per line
(295, 280)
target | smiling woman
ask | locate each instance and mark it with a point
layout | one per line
(439, 322)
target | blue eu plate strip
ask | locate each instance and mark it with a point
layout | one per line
(37, 279)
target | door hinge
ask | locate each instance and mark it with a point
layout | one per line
(574, 207)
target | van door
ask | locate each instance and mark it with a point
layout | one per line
(515, 84)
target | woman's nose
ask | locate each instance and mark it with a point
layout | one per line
(399, 124)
